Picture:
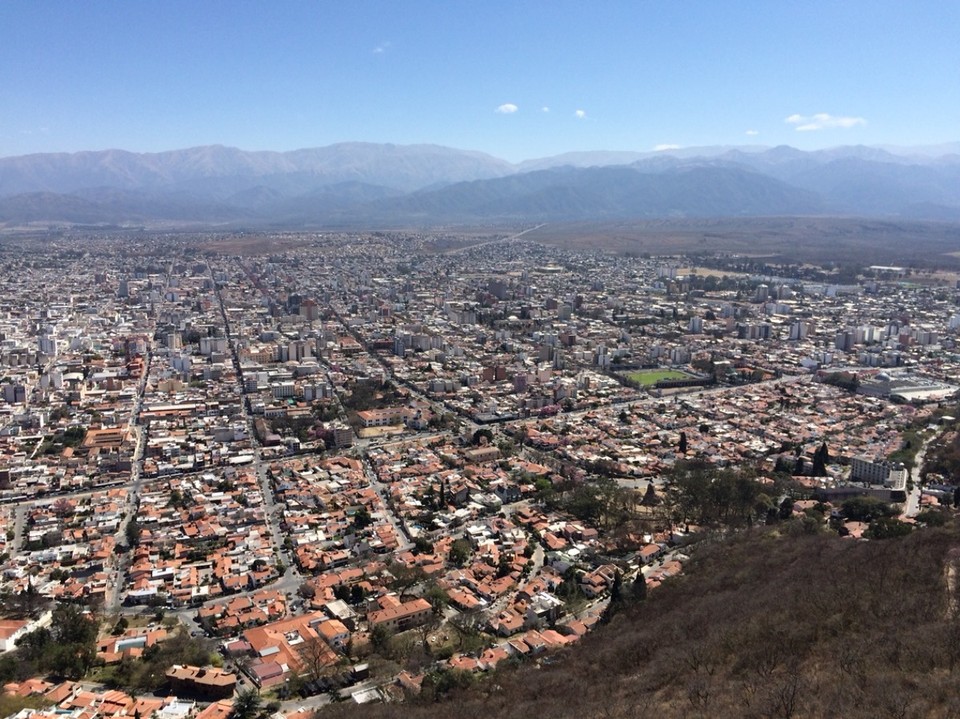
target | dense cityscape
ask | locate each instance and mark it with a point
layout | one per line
(352, 466)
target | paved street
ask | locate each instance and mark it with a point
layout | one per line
(912, 506)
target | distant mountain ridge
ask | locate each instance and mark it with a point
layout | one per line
(364, 183)
(615, 192)
(217, 169)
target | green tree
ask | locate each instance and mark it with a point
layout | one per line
(786, 508)
(357, 594)
(545, 491)
(362, 518)
(132, 532)
(616, 598)
(120, 627)
(246, 705)
(381, 638)
(436, 596)
(460, 552)
(888, 528)
(404, 578)
(585, 503)
(933, 517)
(72, 661)
(616, 589)
(422, 545)
(482, 433)
(504, 565)
(711, 497)
(866, 509)
(32, 645)
(820, 459)
(72, 625)
(69, 647)
(650, 498)
(176, 499)
(440, 683)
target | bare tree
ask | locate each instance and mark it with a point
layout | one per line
(468, 624)
(317, 657)
(404, 578)
(429, 626)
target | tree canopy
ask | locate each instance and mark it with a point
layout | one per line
(67, 648)
(712, 497)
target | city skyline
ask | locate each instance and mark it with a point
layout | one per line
(514, 82)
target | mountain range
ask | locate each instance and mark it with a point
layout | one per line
(364, 184)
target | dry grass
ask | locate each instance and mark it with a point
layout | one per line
(774, 624)
(255, 244)
(797, 239)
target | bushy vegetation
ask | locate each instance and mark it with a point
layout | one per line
(70, 437)
(710, 497)
(369, 394)
(10, 704)
(770, 623)
(148, 673)
(943, 456)
(66, 649)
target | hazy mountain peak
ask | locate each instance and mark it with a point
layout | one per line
(358, 182)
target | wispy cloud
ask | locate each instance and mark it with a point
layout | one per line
(662, 147)
(822, 121)
(580, 114)
(544, 109)
(752, 133)
(507, 108)
(381, 48)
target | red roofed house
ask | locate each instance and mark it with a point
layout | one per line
(402, 615)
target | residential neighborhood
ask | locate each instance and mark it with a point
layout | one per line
(356, 460)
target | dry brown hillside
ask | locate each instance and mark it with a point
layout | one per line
(764, 625)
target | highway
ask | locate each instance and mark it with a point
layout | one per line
(502, 240)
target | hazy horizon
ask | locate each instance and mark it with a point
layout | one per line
(932, 149)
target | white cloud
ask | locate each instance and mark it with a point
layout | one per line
(382, 48)
(752, 133)
(580, 114)
(662, 147)
(822, 121)
(544, 109)
(507, 108)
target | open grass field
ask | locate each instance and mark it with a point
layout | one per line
(650, 377)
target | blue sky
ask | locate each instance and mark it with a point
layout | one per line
(280, 75)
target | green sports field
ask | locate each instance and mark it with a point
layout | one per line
(649, 377)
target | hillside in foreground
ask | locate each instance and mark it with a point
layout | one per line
(760, 626)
